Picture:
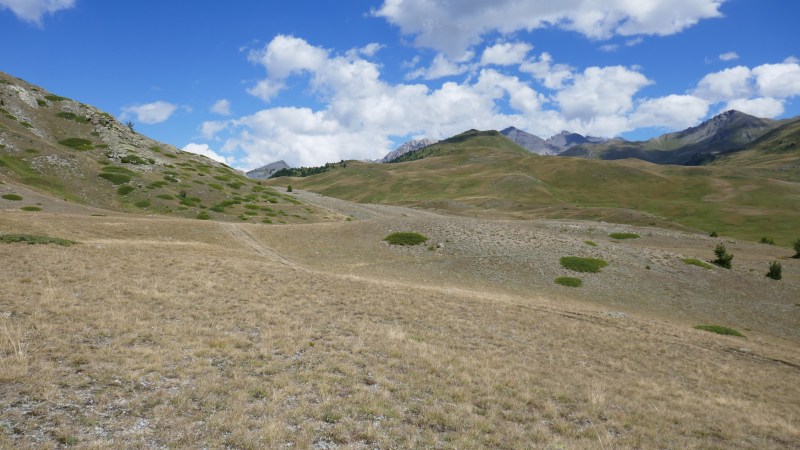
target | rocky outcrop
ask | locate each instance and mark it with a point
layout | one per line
(262, 173)
(410, 146)
(530, 142)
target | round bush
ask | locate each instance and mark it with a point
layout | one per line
(405, 238)
(579, 264)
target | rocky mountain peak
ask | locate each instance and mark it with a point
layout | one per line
(410, 146)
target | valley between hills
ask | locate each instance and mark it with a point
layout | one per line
(229, 312)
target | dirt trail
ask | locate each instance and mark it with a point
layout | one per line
(247, 239)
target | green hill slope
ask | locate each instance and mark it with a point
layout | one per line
(728, 132)
(78, 153)
(482, 175)
(776, 154)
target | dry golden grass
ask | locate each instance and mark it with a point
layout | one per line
(164, 332)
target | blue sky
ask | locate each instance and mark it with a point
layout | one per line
(310, 82)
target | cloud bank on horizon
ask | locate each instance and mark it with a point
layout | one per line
(473, 64)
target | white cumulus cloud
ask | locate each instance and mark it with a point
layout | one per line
(33, 10)
(729, 56)
(205, 150)
(672, 112)
(601, 91)
(506, 53)
(222, 107)
(759, 107)
(456, 25)
(150, 113)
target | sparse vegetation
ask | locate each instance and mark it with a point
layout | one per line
(165, 197)
(723, 257)
(31, 208)
(591, 243)
(55, 98)
(34, 239)
(569, 281)
(72, 116)
(796, 246)
(136, 159)
(203, 215)
(405, 238)
(578, 264)
(767, 240)
(696, 262)
(142, 204)
(775, 270)
(12, 197)
(719, 330)
(624, 236)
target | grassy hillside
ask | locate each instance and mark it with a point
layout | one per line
(776, 154)
(78, 153)
(728, 132)
(482, 175)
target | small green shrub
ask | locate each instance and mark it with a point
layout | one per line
(134, 159)
(77, 143)
(796, 246)
(26, 124)
(775, 270)
(696, 262)
(41, 102)
(766, 240)
(115, 178)
(592, 243)
(719, 330)
(266, 221)
(713, 234)
(34, 239)
(156, 184)
(723, 257)
(12, 197)
(72, 116)
(405, 238)
(31, 208)
(165, 197)
(142, 204)
(579, 264)
(289, 188)
(624, 236)
(569, 281)
(125, 190)
(55, 98)
(203, 216)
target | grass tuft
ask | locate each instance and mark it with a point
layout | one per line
(405, 238)
(77, 143)
(569, 281)
(115, 178)
(13, 197)
(125, 190)
(624, 236)
(592, 243)
(34, 239)
(719, 330)
(696, 262)
(578, 264)
(31, 208)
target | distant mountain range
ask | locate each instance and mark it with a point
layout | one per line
(410, 146)
(723, 134)
(554, 145)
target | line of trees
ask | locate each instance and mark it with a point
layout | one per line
(308, 171)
